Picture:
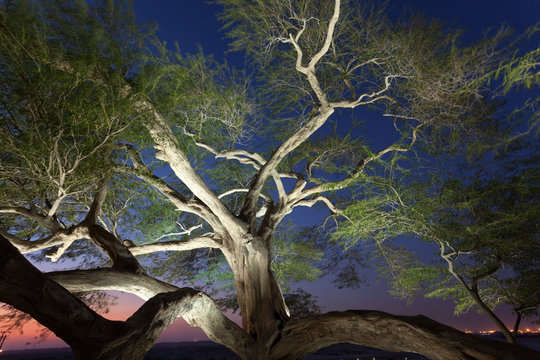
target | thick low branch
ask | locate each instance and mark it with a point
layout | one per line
(143, 328)
(142, 285)
(196, 307)
(218, 327)
(181, 245)
(94, 338)
(384, 331)
(27, 289)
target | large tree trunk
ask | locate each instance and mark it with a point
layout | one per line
(260, 301)
(265, 319)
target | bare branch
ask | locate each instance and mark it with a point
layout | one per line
(299, 52)
(242, 156)
(311, 202)
(56, 255)
(248, 210)
(337, 185)
(371, 97)
(49, 223)
(318, 118)
(180, 245)
(234, 191)
(247, 158)
(329, 36)
(183, 232)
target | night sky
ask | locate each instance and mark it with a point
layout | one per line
(193, 22)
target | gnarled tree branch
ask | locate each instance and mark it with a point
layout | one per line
(94, 338)
(170, 151)
(381, 330)
(181, 245)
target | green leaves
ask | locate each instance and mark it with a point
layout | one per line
(294, 259)
(62, 106)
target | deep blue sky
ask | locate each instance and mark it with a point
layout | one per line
(192, 23)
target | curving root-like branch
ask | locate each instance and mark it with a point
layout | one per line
(381, 330)
(93, 337)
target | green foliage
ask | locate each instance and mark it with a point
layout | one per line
(294, 260)
(62, 108)
(206, 101)
(301, 304)
(475, 202)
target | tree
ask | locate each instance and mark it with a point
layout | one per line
(109, 137)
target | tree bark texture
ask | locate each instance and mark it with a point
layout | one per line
(260, 301)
